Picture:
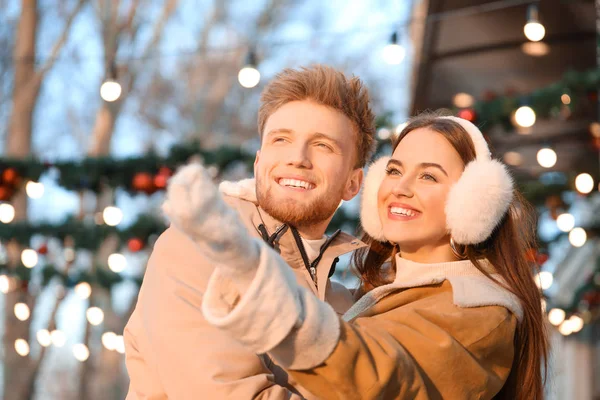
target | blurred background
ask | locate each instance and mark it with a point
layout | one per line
(101, 100)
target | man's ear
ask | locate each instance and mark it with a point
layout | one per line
(256, 161)
(353, 184)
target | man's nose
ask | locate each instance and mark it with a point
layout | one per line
(299, 156)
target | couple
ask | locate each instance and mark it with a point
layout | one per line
(237, 303)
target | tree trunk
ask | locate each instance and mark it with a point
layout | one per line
(25, 93)
(103, 128)
(20, 372)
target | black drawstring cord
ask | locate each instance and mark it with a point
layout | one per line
(332, 269)
(271, 239)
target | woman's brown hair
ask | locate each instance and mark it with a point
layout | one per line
(506, 250)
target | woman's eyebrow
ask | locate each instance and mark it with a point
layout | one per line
(422, 165)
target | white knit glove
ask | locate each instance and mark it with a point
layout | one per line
(195, 206)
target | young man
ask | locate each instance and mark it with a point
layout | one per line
(317, 132)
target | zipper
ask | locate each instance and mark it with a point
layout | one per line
(312, 267)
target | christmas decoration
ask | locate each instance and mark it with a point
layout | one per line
(135, 245)
(43, 249)
(84, 235)
(143, 182)
(143, 174)
(545, 102)
(467, 113)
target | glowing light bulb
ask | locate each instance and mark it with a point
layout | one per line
(110, 90)
(577, 237)
(22, 311)
(584, 183)
(83, 290)
(544, 280)
(525, 116)
(95, 315)
(35, 190)
(249, 76)
(81, 352)
(44, 338)
(117, 262)
(112, 216)
(109, 340)
(546, 157)
(22, 347)
(565, 222)
(7, 213)
(29, 258)
(556, 316)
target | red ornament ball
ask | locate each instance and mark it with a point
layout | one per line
(144, 182)
(541, 258)
(467, 113)
(5, 193)
(135, 245)
(160, 181)
(10, 176)
(43, 249)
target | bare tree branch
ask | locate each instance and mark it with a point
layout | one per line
(61, 40)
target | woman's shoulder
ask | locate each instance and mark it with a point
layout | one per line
(435, 305)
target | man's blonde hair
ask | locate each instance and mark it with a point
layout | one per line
(329, 87)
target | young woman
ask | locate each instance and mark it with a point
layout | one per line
(455, 314)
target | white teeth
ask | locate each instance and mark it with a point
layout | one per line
(402, 211)
(296, 183)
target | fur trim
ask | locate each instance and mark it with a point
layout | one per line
(481, 291)
(255, 319)
(244, 189)
(369, 216)
(482, 151)
(302, 337)
(470, 287)
(314, 341)
(478, 201)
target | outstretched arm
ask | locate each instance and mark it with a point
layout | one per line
(172, 350)
(258, 301)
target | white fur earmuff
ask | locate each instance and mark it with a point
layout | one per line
(369, 215)
(475, 204)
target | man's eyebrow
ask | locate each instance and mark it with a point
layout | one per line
(279, 130)
(320, 135)
(422, 165)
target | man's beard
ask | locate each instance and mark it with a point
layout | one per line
(295, 213)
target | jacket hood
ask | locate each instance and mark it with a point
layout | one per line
(244, 189)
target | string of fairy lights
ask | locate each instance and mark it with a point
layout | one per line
(393, 54)
(56, 337)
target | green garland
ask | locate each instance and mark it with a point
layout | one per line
(101, 276)
(94, 173)
(86, 236)
(546, 101)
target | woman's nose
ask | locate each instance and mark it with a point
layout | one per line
(403, 187)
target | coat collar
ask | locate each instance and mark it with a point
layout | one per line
(242, 196)
(341, 244)
(470, 287)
